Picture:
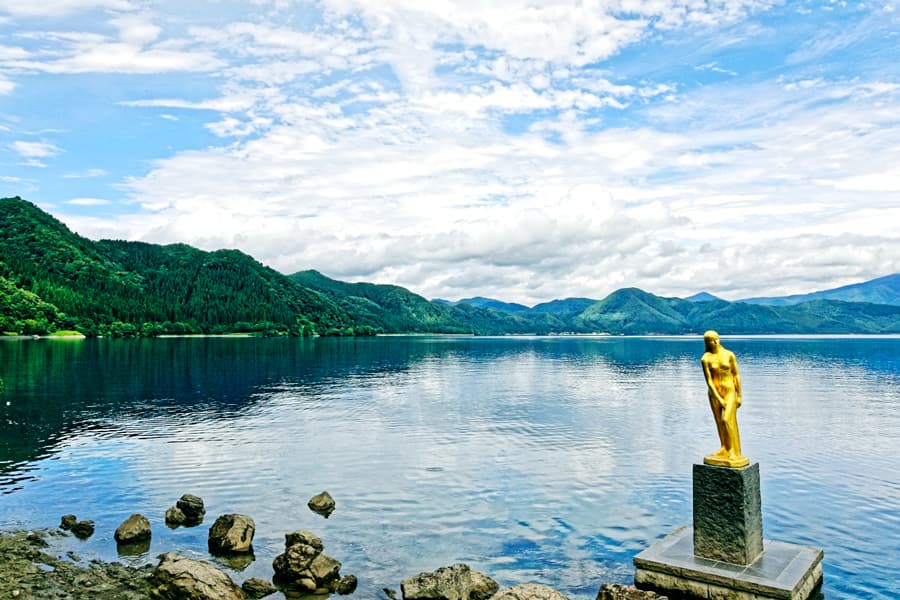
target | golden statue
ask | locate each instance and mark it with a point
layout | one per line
(724, 383)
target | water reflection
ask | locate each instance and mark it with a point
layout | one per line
(535, 459)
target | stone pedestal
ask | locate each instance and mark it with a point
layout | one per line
(724, 556)
(727, 514)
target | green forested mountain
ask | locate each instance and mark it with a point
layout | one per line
(482, 302)
(53, 279)
(129, 288)
(394, 309)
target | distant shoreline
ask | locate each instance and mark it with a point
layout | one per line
(735, 336)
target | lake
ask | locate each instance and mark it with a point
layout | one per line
(549, 460)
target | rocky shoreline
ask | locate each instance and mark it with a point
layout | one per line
(33, 566)
(28, 569)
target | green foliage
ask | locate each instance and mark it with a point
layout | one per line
(127, 289)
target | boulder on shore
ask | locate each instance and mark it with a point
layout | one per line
(302, 536)
(294, 563)
(192, 507)
(617, 591)
(135, 528)
(231, 534)
(322, 504)
(304, 567)
(180, 578)
(456, 582)
(528, 591)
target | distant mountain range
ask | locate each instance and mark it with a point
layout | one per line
(884, 290)
(52, 279)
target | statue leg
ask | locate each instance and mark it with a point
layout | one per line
(720, 426)
(732, 440)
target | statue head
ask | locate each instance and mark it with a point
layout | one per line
(711, 341)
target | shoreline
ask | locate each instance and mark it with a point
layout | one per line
(29, 568)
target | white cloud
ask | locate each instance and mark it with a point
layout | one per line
(87, 202)
(230, 103)
(89, 173)
(135, 50)
(495, 148)
(6, 86)
(53, 8)
(34, 149)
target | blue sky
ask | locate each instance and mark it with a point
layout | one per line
(513, 149)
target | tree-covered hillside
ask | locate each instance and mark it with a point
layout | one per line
(132, 288)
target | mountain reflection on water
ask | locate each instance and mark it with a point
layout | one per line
(551, 460)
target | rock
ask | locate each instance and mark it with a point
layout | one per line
(135, 528)
(456, 582)
(302, 536)
(83, 529)
(192, 507)
(294, 563)
(325, 570)
(37, 540)
(347, 585)
(180, 578)
(231, 534)
(322, 504)
(258, 588)
(67, 522)
(528, 591)
(617, 591)
(175, 517)
(392, 594)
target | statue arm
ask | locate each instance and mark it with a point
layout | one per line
(711, 384)
(737, 379)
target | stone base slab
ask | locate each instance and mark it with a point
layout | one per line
(783, 572)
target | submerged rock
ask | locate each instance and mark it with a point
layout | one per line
(322, 504)
(617, 591)
(83, 529)
(528, 591)
(135, 528)
(456, 582)
(347, 585)
(180, 578)
(231, 534)
(258, 588)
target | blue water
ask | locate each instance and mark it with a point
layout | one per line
(546, 460)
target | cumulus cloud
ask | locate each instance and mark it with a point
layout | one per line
(500, 149)
(136, 50)
(34, 149)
